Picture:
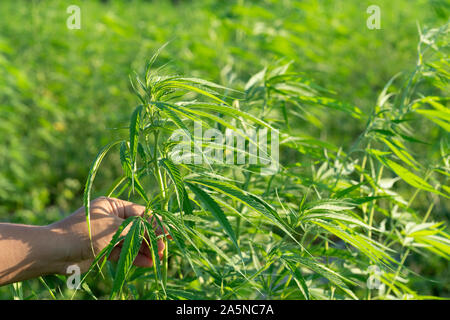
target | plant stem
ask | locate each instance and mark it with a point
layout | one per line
(238, 219)
(158, 174)
(397, 272)
(372, 208)
(430, 208)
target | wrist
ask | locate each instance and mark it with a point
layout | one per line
(56, 251)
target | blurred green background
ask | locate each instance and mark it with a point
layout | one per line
(65, 93)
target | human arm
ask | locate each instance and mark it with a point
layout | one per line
(28, 251)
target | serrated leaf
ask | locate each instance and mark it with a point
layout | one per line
(322, 270)
(239, 195)
(90, 180)
(125, 159)
(134, 132)
(298, 278)
(128, 253)
(216, 210)
(409, 177)
(175, 176)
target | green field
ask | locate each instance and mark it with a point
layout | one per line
(363, 117)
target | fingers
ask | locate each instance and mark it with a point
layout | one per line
(125, 209)
(156, 221)
(161, 247)
(143, 261)
(143, 258)
(146, 250)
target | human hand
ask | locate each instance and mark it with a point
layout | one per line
(106, 215)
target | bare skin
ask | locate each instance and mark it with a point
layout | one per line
(31, 251)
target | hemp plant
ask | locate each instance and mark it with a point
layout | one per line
(321, 224)
(172, 191)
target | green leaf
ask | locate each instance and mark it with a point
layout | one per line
(372, 249)
(332, 103)
(134, 133)
(409, 177)
(298, 278)
(138, 186)
(255, 79)
(125, 159)
(173, 116)
(322, 270)
(401, 152)
(181, 85)
(107, 250)
(437, 117)
(175, 176)
(230, 111)
(251, 202)
(216, 210)
(128, 253)
(187, 207)
(154, 250)
(152, 60)
(207, 83)
(90, 180)
(116, 237)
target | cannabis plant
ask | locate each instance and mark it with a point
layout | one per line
(280, 214)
